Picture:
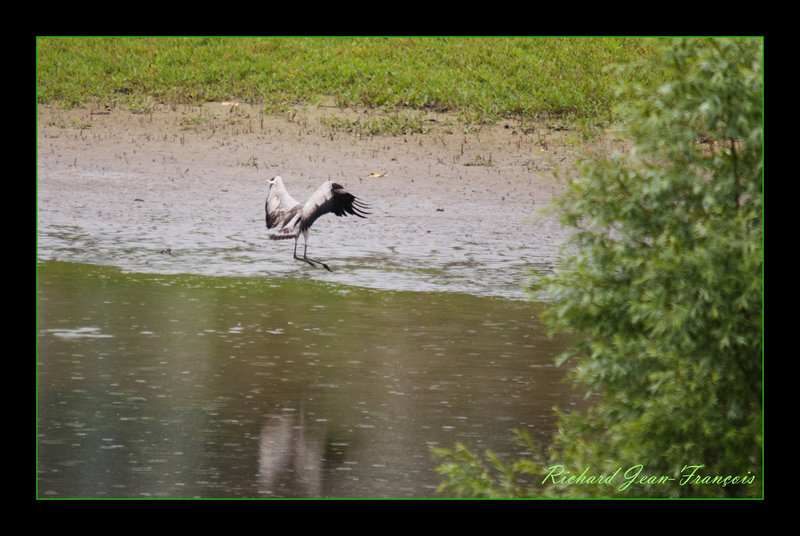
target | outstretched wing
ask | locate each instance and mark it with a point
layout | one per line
(280, 206)
(331, 197)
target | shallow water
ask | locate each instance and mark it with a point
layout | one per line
(171, 385)
(449, 242)
(258, 375)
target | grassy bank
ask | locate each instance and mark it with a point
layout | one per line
(477, 78)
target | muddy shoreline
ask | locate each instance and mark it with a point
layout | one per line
(454, 210)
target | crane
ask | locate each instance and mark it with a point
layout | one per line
(291, 218)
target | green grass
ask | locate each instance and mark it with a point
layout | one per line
(476, 78)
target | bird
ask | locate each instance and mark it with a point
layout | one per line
(290, 218)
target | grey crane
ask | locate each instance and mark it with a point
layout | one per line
(292, 218)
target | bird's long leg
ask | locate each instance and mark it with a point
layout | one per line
(310, 261)
(303, 257)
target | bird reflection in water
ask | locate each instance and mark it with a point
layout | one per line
(289, 464)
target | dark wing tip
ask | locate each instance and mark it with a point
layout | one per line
(345, 203)
(360, 209)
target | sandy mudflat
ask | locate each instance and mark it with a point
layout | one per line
(452, 211)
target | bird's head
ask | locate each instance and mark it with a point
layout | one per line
(274, 180)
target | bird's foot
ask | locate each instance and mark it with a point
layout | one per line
(313, 262)
(318, 262)
(305, 260)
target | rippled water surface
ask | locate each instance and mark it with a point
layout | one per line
(170, 385)
(413, 240)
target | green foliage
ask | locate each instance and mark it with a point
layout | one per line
(479, 77)
(396, 124)
(662, 282)
(465, 474)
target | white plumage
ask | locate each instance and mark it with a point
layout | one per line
(291, 218)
